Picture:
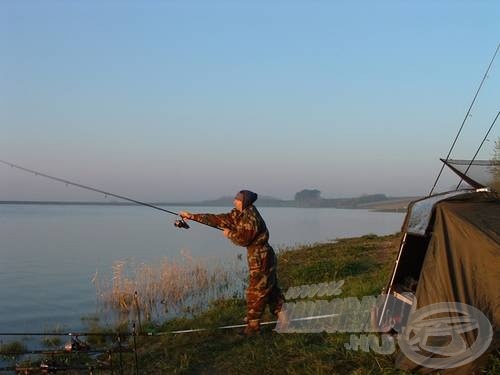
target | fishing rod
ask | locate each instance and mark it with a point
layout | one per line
(477, 151)
(192, 330)
(179, 223)
(63, 351)
(465, 119)
(307, 318)
(71, 334)
(46, 368)
(75, 346)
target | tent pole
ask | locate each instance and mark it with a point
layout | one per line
(387, 293)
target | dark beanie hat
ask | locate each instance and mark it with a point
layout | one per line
(247, 197)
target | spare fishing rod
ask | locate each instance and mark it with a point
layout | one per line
(134, 333)
(179, 223)
(53, 368)
(465, 119)
(63, 351)
(71, 334)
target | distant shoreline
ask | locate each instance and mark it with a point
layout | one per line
(396, 204)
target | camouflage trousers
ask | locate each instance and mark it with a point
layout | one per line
(263, 286)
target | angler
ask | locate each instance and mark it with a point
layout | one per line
(245, 227)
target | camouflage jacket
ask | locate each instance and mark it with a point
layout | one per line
(246, 228)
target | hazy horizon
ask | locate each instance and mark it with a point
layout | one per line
(188, 101)
(220, 197)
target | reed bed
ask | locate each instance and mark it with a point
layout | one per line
(170, 288)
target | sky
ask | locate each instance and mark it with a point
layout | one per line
(190, 100)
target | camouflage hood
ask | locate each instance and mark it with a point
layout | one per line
(247, 197)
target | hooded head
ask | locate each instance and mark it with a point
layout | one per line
(246, 197)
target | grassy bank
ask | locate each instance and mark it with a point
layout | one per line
(364, 264)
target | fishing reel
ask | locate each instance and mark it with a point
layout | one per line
(49, 367)
(76, 345)
(180, 223)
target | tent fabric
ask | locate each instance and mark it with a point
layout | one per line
(462, 264)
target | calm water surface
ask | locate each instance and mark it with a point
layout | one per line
(49, 254)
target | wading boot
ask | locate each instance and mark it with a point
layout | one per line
(252, 328)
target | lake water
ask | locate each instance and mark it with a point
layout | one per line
(50, 253)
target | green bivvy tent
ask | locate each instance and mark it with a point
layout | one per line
(450, 252)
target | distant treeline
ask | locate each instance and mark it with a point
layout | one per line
(303, 198)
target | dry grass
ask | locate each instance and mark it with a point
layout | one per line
(169, 288)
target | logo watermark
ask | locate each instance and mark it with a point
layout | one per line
(443, 335)
(454, 332)
(308, 291)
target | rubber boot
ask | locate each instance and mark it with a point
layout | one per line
(252, 328)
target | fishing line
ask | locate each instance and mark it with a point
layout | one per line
(180, 223)
(465, 119)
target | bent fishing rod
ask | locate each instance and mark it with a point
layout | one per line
(179, 223)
